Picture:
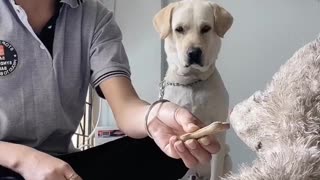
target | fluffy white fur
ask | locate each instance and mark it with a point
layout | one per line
(202, 24)
(282, 123)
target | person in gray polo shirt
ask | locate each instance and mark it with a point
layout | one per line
(50, 52)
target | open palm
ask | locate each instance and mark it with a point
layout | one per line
(169, 123)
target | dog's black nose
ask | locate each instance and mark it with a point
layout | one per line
(194, 55)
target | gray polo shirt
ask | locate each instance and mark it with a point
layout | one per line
(42, 97)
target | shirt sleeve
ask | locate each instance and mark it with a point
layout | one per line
(107, 55)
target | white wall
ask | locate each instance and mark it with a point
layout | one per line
(142, 45)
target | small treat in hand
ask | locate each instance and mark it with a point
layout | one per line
(212, 128)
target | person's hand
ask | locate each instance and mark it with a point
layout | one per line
(40, 166)
(167, 122)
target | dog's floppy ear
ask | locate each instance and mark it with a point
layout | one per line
(223, 19)
(162, 20)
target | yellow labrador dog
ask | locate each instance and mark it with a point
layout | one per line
(192, 30)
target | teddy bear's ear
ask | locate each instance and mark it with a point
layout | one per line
(162, 20)
(258, 97)
(223, 20)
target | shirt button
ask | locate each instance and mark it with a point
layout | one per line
(42, 46)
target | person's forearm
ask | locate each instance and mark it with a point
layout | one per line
(131, 119)
(129, 110)
(11, 155)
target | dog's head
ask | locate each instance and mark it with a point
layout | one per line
(192, 30)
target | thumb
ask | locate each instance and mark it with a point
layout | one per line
(187, 120)
(178, 118)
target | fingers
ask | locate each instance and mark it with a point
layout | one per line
(163, 136)
(210, 144)
(188, 159)
(187, 120)
(202, 155)
(194, 152)
(70, 174)
(73, 176)
(172, 121)
(176, 117)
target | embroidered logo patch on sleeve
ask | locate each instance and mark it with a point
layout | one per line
(8, 58)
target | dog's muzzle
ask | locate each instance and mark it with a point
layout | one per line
(194, 56)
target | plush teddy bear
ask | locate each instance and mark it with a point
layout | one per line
(282, 123)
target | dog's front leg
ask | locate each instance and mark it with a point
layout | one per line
(218, 160)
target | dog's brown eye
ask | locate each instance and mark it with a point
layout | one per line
(205, 29)
(179, 29)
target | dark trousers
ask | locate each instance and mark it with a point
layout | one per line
(123, 159)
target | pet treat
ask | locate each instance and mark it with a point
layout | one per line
(213, 128)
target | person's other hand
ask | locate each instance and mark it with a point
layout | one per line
(167, 122)
(40, 166)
